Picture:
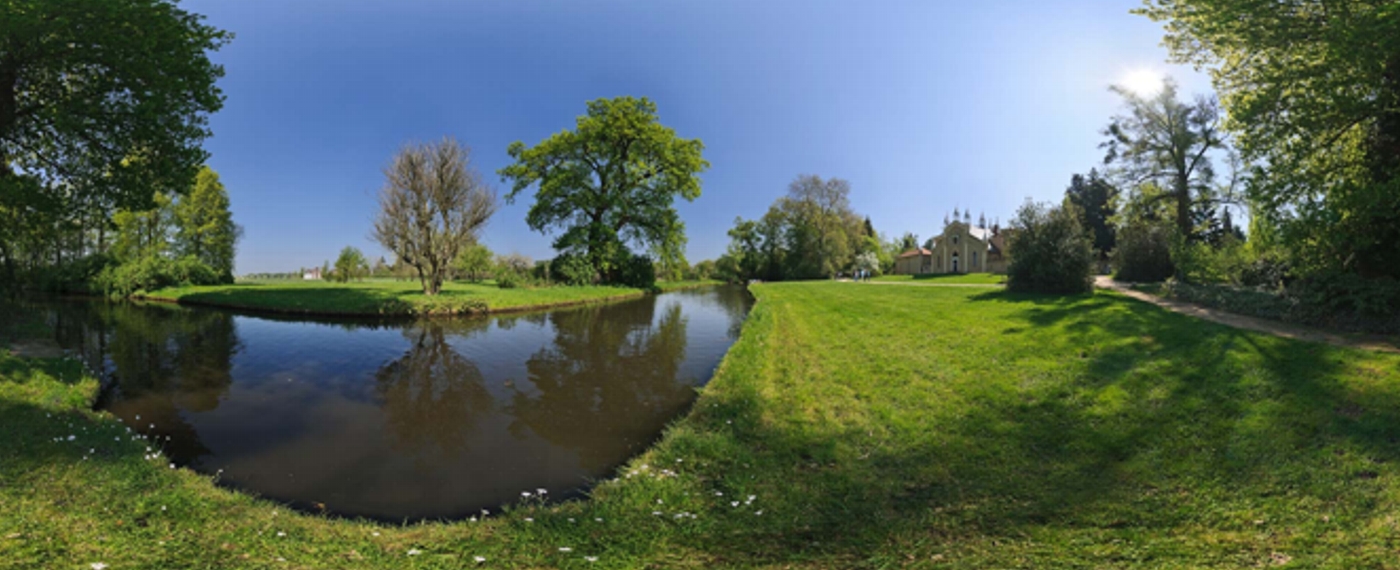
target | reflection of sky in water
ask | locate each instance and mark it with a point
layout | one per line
(430, 418)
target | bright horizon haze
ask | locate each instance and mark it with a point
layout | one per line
(922, 107)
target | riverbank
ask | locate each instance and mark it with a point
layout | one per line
(848, 427)
(377, 298)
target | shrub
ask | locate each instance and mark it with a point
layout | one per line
(76, 276)
(1050, 252)
(507, 279)
(1144, 252)
(636, 271)
(573, 269)
(151, 273)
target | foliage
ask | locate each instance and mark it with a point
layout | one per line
(1342, 301)
(1094, 199)
(868, 262)
(151, 273)
(204, 224)
(636, 271)
(99, 111)
(810, 233)
(1166, 141)
(513, 271)
(702, 271)
(433, 205)
(349, 265)
(572, 269)
(1144, 252)
(1311, 89)
(611, 181)
(1053, 252)
(474, 262)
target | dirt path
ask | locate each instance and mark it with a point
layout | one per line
(1275, 328)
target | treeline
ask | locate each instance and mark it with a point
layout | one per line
(187, 237)
(811, 233)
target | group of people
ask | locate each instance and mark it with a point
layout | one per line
(861, 275)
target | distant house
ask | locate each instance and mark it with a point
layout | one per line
(961, 248)
(310, 274)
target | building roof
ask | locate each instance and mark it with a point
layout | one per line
(914, 252)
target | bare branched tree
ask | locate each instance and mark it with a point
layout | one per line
(432, 206)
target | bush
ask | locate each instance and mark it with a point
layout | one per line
(151, 273)
(1050, 252)
(1144, 252)
(77, 276)
(573, 269)
(507, 280)
(636, 271)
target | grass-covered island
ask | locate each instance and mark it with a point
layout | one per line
(849, 427)
(391, 297)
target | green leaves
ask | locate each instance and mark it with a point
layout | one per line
(111, 97)
(611, 181)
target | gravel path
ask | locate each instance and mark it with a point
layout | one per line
(1276, 328)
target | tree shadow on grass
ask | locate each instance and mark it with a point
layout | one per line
(1148, 420)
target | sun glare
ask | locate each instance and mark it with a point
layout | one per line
(1142, 82)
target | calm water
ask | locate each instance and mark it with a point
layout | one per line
(406, 419)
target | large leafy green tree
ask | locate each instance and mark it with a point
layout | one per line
(117, 91)
(205, 227)
(102, 104)
(351, 264)
(611, 181)
(1312, 93)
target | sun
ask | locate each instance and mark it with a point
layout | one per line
(1142, 82)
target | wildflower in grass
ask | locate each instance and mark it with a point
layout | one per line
(528, 519)
(542, 491)
(98, 566)
(375, 533)
(598, 519)
(72, 437)
(565, 549)
(479, 559)
(758, 513)
(525, 494)
(591, 558)
(734, 503)
(414, 552)
(280, 533)
(656, 513)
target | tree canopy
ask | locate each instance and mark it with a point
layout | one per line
(1312, 93)
(111, 97)
(205, 224)
(611, 181)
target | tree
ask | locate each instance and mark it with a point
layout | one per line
(1312, 89)
(823, 232)
(350, 265)
(610, 181)
(432, 205)
(1094, 198)
(86, 100)
(909, 241)
(474, 262)
(1166, 141)
(205, 227)
(144, 234)
(1052, 252)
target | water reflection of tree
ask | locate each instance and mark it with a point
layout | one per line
(608, 384)
(164, 360)
(432, 395)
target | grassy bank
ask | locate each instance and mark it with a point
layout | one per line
(393, 297)
(961, 278)
(849, 427)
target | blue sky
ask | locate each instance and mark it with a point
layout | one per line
(923, 106)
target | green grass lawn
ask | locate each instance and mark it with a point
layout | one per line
(393, 297)
(962, 278)
(850, 427)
